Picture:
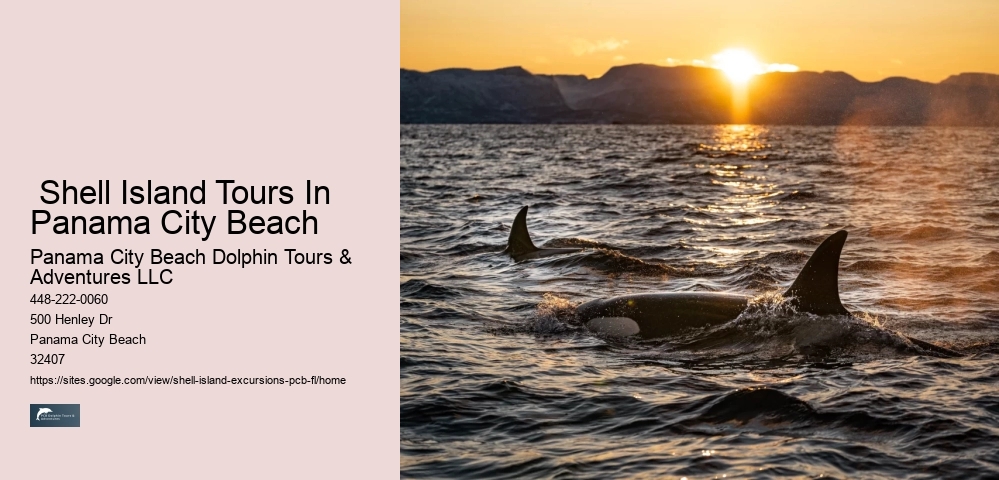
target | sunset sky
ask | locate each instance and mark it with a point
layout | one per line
(871, 40)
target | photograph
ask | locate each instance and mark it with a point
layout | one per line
(713, 239)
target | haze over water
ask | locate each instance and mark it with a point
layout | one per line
(498, 381)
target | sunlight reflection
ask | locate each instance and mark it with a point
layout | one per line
(737, 153)
(729, 252)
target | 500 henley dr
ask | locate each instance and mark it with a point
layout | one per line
(173, 221)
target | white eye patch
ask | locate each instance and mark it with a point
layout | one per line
(613, 326)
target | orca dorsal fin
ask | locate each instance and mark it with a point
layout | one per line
(816, 290)
(520, 241)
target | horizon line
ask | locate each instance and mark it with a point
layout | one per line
(688, 66)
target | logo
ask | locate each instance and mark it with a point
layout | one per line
(55, 415)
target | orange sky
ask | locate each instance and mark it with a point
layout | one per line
(926, 40)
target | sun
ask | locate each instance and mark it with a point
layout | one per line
(738, 65)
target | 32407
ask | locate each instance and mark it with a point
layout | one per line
(47, 358)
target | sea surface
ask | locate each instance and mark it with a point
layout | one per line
(499, 381)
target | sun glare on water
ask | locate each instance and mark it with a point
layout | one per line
(740, 65)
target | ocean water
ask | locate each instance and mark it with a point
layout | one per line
(498, 380)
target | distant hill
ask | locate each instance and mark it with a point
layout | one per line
(457, 95)
(693, 95)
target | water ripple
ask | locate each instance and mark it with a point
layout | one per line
(499, 380)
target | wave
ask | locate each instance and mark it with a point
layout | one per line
(757, 403)
(797, 196)
(471, 248)
(771, 328)
(576, 243)
(929, 232)
(756, 276)
(676, 227)
(786, 257)
(616, 262)
(922, 233)
(424, 290)
(870, 266)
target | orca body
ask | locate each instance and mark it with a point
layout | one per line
(656, 315)
(816, 290)
(520, 246)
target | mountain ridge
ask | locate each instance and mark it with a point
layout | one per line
(645, 93)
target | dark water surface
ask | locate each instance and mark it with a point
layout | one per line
(498, 381)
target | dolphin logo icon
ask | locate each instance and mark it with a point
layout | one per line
(38, 416)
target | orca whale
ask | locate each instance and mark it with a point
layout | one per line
(520, 246)
(656, 315)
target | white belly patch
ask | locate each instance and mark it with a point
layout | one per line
(613, 326)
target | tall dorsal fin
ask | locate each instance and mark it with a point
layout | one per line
(816, 290)
(520, 241)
